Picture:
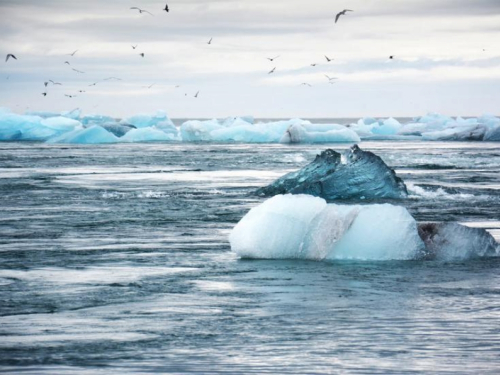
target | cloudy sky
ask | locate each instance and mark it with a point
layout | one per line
(447, 57)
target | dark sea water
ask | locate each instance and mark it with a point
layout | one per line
(115, 259)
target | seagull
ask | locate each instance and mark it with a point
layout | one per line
(330, 78)
(94, 84)
(274, 58)
(196, 95)
(272, 71)
(55, 83)
(342, 14)
(305, 84)
(148, 87)
(134, 47)
(70, 96)
(67, 62)
(166, 8)
(72, 54)
(210, 41)
(44, 93)
(45, 83)
(327, 58)
(78, 71)
(142, 10)
(141, 54)
(391, 57)
(9, 56)
(314, 64)
(112, 78)
(81, 91)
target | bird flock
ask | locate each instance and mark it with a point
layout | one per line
(331, 80)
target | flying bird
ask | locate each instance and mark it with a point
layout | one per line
(196, 95)
(141, 54)
(343, 13)
(166, 8)
(72, 54)
(305, 84)
(142, 10)
(273, 58)
(134, 47)
(328, 59)
(391, 57)
(70, 96)
(112, 78)
(78, 71)
(9, 56)
(210, 41)
(148, 87)
(45, 83)
(314, 64)
(55, 83)
(67, 62)
(81, 91)
(94, 84)
(44, 93)
(330, 78)
(272, 71)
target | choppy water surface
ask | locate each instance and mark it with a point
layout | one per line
(115, 259)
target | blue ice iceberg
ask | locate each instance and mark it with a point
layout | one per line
(355, 174)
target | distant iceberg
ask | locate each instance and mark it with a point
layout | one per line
(306, 227)
(432, 127)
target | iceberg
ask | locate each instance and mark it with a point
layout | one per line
(355, 174)
(92, 135)
(195, 131)
(117, 129)
(15, 127)
(452, 241)
(306, 227)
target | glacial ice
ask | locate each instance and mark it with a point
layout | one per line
(431, 127)
(452, 241)
(15, 127)
(306, 227)
(355, 174)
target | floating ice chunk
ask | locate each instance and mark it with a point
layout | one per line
(319, 134)
(492, 134)
(151, 134)
(93, 135)
(457, 133)
(144, 121)
(33, 128)
(194, 131)
(305, 227)
(451, 241)
(169, 128)
(355, 174)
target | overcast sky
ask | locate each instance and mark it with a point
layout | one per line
(447, 57)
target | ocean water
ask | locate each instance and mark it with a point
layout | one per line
(115, 259)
